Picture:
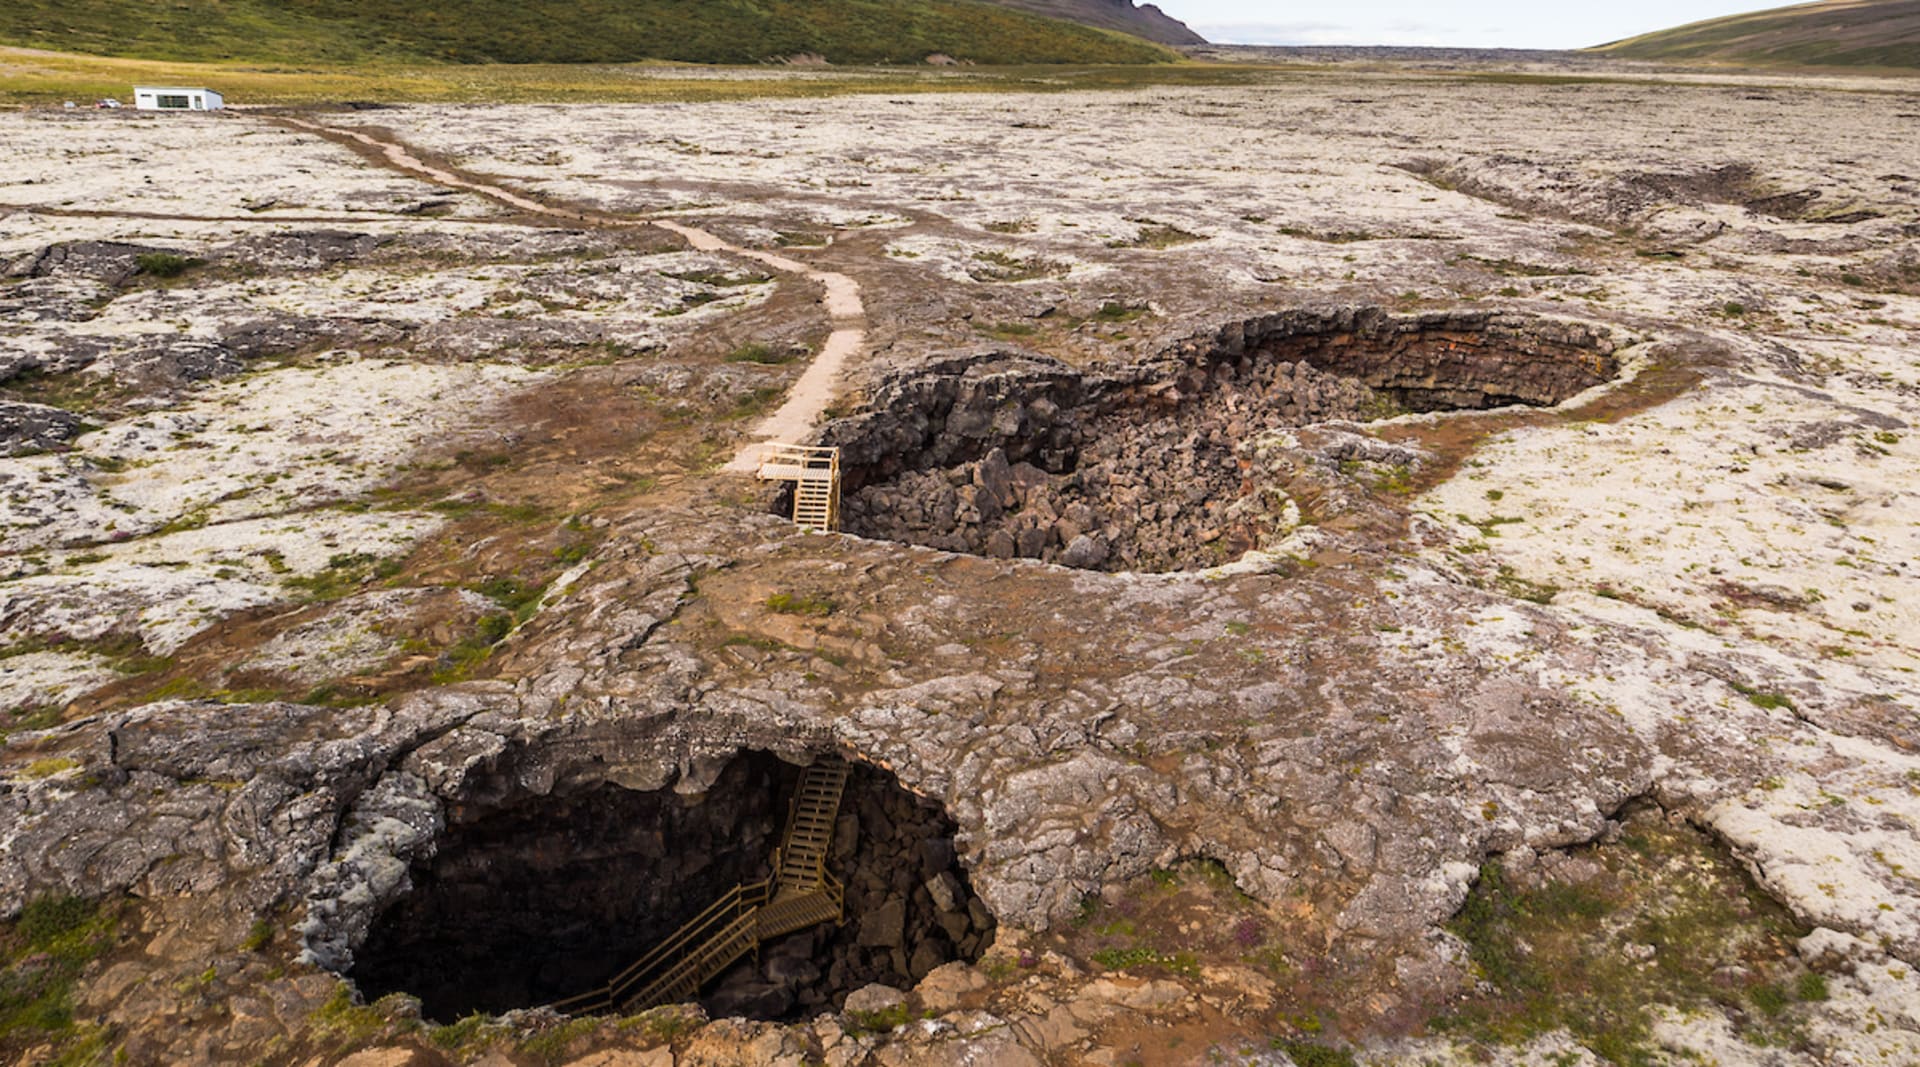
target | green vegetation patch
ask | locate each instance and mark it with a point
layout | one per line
(1839, 35)
(30, 717)
(345, 573)
(1660, 919)
(307, 32)
(1762, 699)
(1002, 267)
(1174, 921)
(164, 264)
(52, 77)
(351, 1022)
(555, 1043)
(1156, 235)
(1313, 1054)
(45, 952)
(764, 355)
(818, 607)
(883, 1021)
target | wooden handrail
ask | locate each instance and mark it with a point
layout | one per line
(774, 451)
(728, 903)
(738, 902)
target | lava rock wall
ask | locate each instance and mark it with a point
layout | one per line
(1145, 468)
(539, 901)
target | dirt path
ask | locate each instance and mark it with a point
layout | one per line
(806, 402)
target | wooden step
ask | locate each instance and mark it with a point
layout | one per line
(788, 914)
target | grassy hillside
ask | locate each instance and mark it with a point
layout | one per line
(559, 31)
(1144, 20)
(36, 78)
(1849, 33)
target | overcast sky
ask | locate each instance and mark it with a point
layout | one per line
(1458, 23)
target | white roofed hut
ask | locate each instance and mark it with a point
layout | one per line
(157, 98)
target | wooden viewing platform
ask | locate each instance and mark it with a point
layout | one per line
(815, 474)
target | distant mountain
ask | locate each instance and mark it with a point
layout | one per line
(1144, 20)
(1840, 33)
(569, 31)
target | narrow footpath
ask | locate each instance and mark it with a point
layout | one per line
(806, 402)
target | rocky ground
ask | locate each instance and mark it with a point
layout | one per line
(343, 507)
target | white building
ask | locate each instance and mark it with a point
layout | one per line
(151, 98)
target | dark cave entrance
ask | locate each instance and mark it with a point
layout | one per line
(1148, 468)
(530, 903)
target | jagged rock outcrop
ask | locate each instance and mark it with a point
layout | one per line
(34, 427)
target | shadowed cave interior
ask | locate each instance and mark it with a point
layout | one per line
(551, 896)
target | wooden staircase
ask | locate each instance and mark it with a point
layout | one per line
(815, 474)
(802, 861)
(800, 894)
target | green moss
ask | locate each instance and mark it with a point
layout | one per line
(1553, 952)
(517, 596)
(517, 513)
(669, 1023)
(1313, 1054)
(719, 278)
(347, 1019)
(1515, 269)
(259, 936)
(87, 1047)
(344, 574)
(458, 662)
(553, 1043)
(999, 966)
(1007, 331)
(1760, 699)
(572, 552)
(756, 401)
(879, 1022)
(48, 767)
(1812, 987)
(164, 264)
(469, 1035)
(1770, 999)
(818, 607)
(1132, 956)
(46, 950)
(1115, 312)
(30, 717)
(1397, 480)
(998, 266)
(759, 353)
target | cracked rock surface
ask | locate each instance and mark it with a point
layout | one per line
(398, 519)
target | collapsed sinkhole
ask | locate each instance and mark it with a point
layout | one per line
(1149, 467)
(551, 897)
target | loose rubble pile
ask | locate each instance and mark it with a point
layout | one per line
(1150, 468)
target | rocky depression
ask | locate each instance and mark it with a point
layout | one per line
(1153, 467)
